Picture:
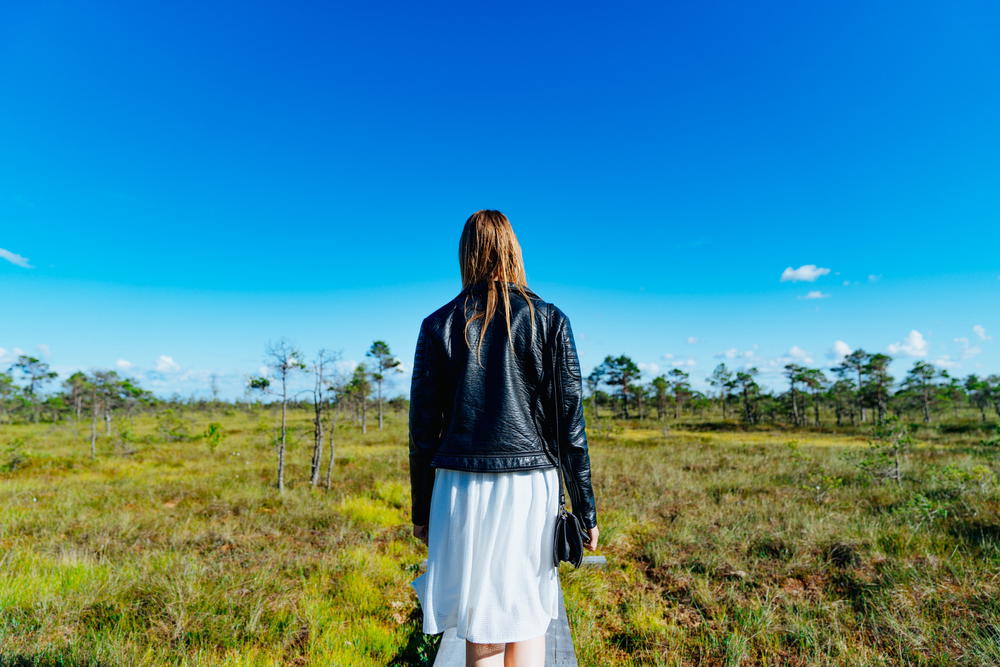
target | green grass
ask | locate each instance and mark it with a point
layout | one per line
(724, 548)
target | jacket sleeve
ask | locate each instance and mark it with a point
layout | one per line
(426, 422)
(573, 432)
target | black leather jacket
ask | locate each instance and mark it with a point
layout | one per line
(498, 416)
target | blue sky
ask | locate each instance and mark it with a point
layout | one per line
(181, 183)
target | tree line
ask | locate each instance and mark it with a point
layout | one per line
(104, 397)
(857, 390)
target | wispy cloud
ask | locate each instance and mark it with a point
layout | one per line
(10, 355)
(980, 331)
(124, 364)
(799, 354)
(166, 364)
(15, 259)
(675, 362)
(651, 368)
(816, 294)
(968, 349)
(346, 365)
(806, 273)
(735, 353)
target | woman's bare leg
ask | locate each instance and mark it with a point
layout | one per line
(527, 653)
(483, 655)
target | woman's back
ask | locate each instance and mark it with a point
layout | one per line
(488, 391)
(486, 432)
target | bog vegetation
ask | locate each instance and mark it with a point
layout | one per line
(845, 520)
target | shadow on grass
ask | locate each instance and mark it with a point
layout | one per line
(420, 649)
(982, 534)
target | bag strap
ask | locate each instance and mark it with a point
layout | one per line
(557, 396)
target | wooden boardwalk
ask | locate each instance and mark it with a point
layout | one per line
(558, 640)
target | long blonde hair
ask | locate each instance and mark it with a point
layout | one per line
(489, 252)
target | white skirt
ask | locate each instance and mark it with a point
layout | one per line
(489, 556)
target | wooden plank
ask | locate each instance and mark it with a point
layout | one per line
(594, 561)
(559, 649)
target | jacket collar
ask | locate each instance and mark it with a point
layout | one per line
(512, 286)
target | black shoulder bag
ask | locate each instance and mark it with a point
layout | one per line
(570, 534)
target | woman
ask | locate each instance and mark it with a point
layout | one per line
(483, 479)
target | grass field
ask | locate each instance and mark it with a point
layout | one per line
(724, 548)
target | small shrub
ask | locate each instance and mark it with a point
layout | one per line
(891, 442)
(214, 436)
(171, 426)
(959, 480)
(14, 456)
(920, 510)
(821, 486)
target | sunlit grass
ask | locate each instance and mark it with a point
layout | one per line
(724, 547)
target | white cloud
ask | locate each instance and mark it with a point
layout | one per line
(873, 278)
(816, 294)
(124, 364)
(15, 259)
(651, 368)
(692, 340)
(44, 349)
(806, 273)
(946, 361)
(799, 354)
(733, 353)
(166, 364)
(668, 355)
(680, 363)
(838, 351)
(914, 345)
(980, 331)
